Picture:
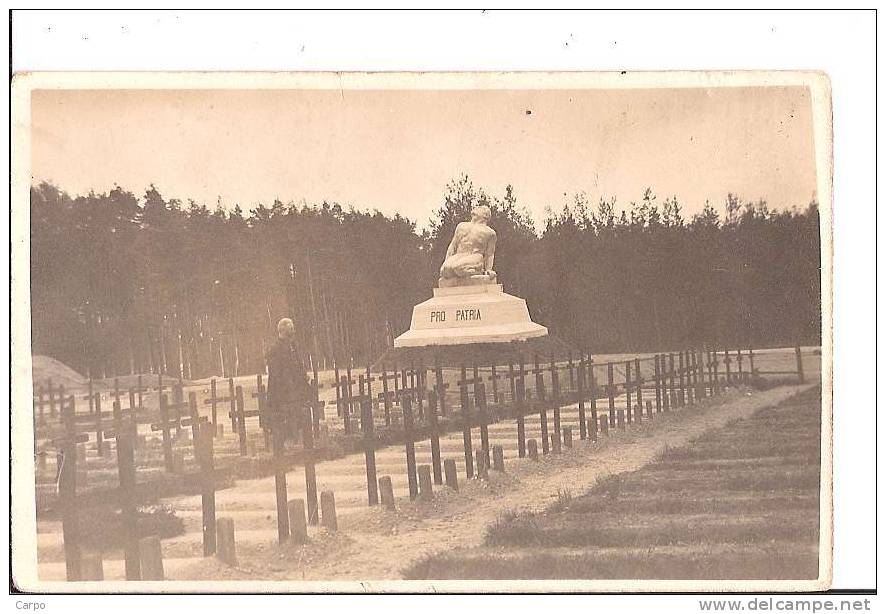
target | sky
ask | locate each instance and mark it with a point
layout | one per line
(395, 151)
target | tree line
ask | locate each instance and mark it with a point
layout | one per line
(127, 285)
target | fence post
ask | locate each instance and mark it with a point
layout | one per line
(728, 361)
(672, 384)
(580, 382)
(592, 387)
(241, 422)
(630, 407)
(556, 440)
(542, 411)
(682, 378)
(800, 375)
(520, 407)
(610, 389)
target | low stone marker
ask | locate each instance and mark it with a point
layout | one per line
(482, 467)
(386, 492)
(498, 458)
(91, 567)
(425, 484)
(567, 436)
(150, 558)
(532, 449)
(298, 521)
(226, 547)
(327, 510)
(451, 473)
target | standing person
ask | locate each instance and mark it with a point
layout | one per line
(288, 387)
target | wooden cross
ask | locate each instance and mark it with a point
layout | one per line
(555, 402)
(555, 382)
(95, 418)
(409, 435)
(117, 390)
(440, 387)
(60, 392)
(67, 487)
(238, 419)
(124, 432)
(205, 454)
(193, 418)
(90, 395)
(493, 379)
(387, 395)
(214, 400)
(317, 407)
(343, 389)
(434, 433)
(41, 401)
(165, 425)
(463, 384)
(538, 371)
(483, 419)
(570, 366)
(140, 390)
(367, 425)
(359, 400)
(160, 385)
(260, 394)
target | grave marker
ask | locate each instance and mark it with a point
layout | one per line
(369, 444)
(409, 435)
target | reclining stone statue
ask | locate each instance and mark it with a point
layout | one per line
(471, 253)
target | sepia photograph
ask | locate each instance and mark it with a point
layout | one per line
(446, 331)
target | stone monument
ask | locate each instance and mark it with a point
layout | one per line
(469, 305)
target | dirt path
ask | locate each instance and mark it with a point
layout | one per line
(373, 544)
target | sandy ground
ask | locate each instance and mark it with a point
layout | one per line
(374, 544)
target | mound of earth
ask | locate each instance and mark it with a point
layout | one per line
(46, 368)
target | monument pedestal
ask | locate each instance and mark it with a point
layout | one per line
(469, 314)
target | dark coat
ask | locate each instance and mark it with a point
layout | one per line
(288, 387)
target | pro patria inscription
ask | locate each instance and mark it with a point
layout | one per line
(461, 315)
